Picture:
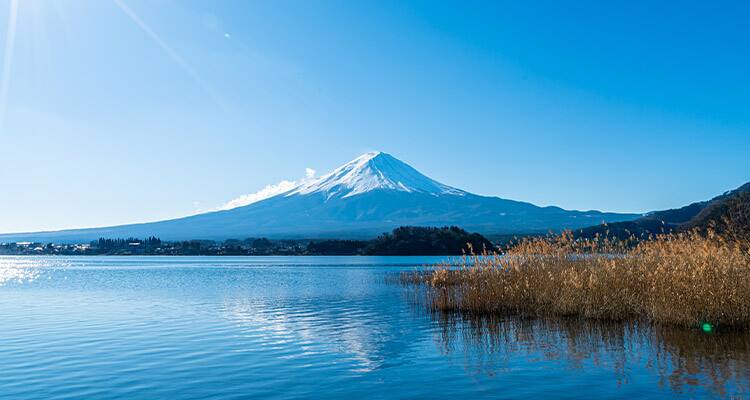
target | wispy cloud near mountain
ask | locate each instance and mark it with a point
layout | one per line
(269, 191)
(371, 194)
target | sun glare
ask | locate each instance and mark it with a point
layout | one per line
(170, 52)
(34, 8)
(10, 39)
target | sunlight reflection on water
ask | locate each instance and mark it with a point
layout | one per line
(315, 327)
(19, 270)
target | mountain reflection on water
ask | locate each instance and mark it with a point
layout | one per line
(317, 327)
(362, 337)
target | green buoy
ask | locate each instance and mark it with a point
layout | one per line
(707, 327)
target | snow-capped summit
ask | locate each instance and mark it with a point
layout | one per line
(369, 195)
(374, 171)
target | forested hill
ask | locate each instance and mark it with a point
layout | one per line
(412, 240)
(727, 213)
(408, 241)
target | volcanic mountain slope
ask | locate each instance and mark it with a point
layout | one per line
(371, 194)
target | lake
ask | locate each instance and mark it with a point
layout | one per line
(317, 327)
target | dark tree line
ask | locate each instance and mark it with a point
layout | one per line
(117, 244)
(337, 247)
(415, 240)
(408, 240)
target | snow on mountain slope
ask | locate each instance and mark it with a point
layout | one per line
(373, 171)
(369, 195)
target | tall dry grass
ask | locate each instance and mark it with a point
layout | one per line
(685, 279)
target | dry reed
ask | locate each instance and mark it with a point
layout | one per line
(688, 279)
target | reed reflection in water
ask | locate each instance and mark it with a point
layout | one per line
(683, 359)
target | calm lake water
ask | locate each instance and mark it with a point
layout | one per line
(316, 327)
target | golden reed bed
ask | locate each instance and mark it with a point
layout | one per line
(687, 279)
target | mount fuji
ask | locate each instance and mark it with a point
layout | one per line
(371, 194)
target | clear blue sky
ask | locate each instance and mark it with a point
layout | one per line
(138, 110)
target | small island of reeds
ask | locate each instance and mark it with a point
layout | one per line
(695, 279)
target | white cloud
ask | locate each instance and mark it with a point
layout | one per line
(268, 191)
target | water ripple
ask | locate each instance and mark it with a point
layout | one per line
(202, 327)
